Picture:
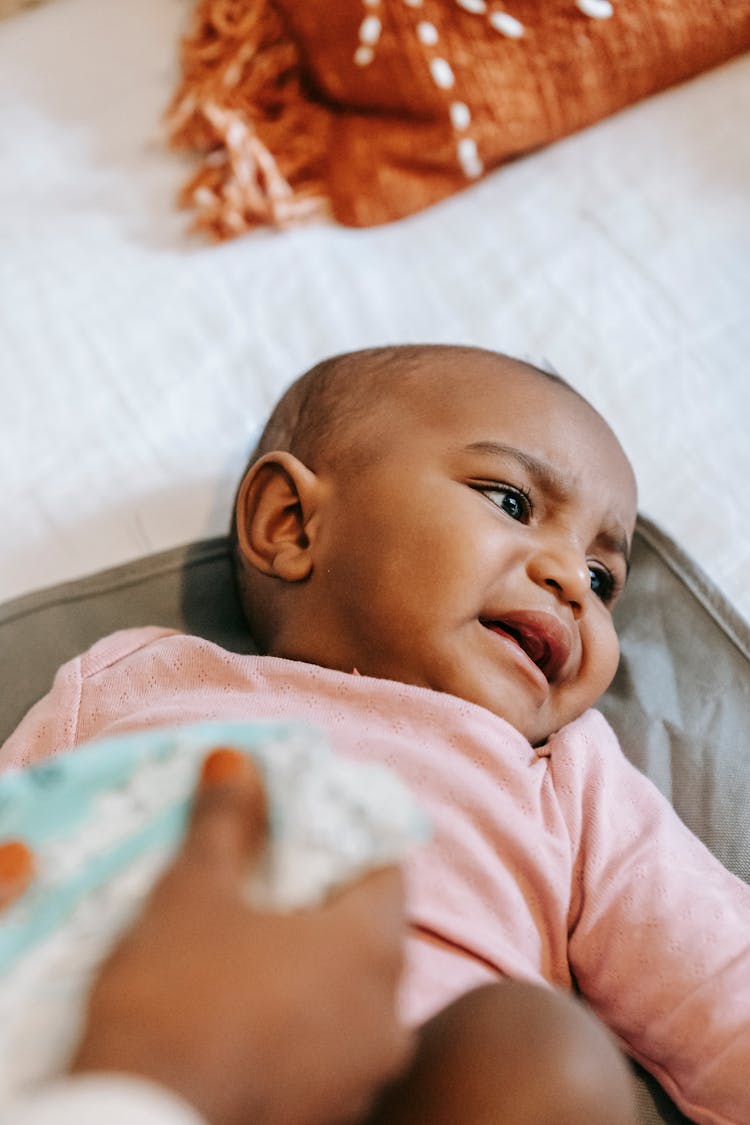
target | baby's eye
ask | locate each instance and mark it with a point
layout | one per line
(515, 502)
(603, 582)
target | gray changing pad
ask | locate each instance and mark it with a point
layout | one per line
(679, 703)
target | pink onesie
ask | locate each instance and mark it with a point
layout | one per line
(561, 864)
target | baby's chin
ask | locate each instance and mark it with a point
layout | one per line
(537, 728)
(565, 704)
(536, 724)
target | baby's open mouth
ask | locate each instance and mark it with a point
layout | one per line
(540, 635)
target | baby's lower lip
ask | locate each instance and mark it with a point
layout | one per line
(514, 647)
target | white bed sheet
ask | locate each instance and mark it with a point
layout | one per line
(136, 362)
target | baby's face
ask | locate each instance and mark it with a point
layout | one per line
(482, 549)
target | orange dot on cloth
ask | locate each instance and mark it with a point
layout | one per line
(224, 764)
(16, 870)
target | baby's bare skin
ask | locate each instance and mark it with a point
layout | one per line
(468, 532)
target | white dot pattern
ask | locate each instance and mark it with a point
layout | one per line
(597, 9)
(506, 25)
(427, 33)
(363, 56)
(469, 158)
(369, 31)
(441, 72)
(460, 116)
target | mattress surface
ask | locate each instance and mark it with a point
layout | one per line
(138, 361)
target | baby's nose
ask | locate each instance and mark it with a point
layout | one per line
(563, 570)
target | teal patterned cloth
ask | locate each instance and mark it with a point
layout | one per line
(103, 822)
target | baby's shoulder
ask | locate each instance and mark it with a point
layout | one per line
(120, 646)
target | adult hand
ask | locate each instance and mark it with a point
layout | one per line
(255, 1018)
(16, 870)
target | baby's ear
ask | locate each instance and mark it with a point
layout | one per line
(276, 505)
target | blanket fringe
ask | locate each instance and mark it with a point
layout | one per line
(242, 106)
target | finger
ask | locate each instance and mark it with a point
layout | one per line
(383, 887)
(375, 905)
(16, 870)
(228, 823)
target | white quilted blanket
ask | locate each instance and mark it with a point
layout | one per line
(136, 362)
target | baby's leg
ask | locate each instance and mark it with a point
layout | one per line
(512, 1054)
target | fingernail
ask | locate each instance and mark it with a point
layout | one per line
(16, 860)
(223, 764)
(16, 870)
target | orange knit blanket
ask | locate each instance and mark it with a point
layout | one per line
(370, 110)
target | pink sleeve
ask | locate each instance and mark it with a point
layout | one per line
(52, 724)
(659, 931)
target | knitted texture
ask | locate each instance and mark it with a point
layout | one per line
(557, 865)
(374, 109)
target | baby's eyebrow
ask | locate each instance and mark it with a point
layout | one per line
(614, 539)
(547, 475)
(553, 481)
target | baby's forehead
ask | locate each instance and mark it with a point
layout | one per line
(447, 386)
(452, 391)
(455, 399)
(448, 374)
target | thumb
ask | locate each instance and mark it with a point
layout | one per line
(228, 822)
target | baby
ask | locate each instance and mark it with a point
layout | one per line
(429, 543)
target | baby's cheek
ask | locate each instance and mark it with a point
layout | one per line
(606, 657)
(601, 655)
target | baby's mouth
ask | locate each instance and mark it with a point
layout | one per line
(542, 637)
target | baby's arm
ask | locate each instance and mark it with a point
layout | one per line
(51, 725)
(514, 1052)
(659, 931)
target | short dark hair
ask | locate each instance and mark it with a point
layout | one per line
(314, 418)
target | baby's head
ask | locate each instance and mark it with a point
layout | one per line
(441, 516)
